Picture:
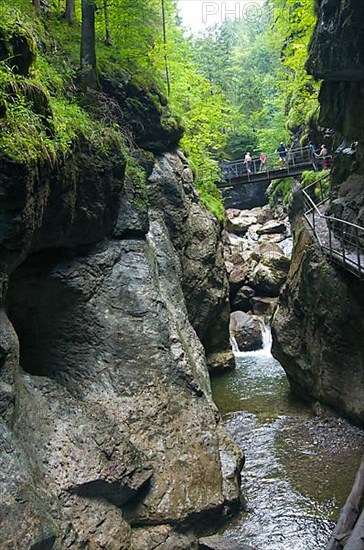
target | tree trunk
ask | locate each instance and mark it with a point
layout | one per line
(350, 512)
(70, 12)
(356, 539)
(88, 43)
(107, 40)
(165, 48)
(36, 4)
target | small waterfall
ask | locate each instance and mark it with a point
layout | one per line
(234, 345)
(266, 338)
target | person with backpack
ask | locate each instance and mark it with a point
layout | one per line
(282, 151)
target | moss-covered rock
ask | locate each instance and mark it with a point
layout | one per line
(17, 48)
(144, 111)
(70, 202)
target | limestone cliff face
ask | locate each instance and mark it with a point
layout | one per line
(108, 436)
(318, 330)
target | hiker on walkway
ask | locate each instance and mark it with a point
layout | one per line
(282, 151)
(324, 154)
(312, 149)
(263, 160)
(248, 162)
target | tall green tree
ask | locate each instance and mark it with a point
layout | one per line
(294, 21)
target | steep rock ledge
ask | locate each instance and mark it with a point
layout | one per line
(69, 203)
(197, 238)
(337, 56)
(318, 330)
(337, 47)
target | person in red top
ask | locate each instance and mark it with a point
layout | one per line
(263, 160)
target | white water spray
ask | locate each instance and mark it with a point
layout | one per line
(234, 345)
(266, 336)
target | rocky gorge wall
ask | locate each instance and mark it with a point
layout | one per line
(317, 328)
(109, 437)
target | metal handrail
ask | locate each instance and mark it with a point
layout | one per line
(295, 158)
(341, 239)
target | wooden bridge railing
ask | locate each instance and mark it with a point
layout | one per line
(343, 241)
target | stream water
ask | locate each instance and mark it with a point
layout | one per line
(299, 467)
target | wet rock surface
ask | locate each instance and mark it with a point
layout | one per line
(162, 537)
(217, 542)
(337, 48)
(246, 330)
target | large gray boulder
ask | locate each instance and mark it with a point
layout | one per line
(246, 330)
(242, 300)
(241, 223)
(269, 276)
(263, 305)
(112, 424)
(272, 227)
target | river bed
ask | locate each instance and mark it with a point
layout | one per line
(299, 467)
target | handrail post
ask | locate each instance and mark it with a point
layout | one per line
(330, 239)
(343, 243)
(313, 221)
(357, 250)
